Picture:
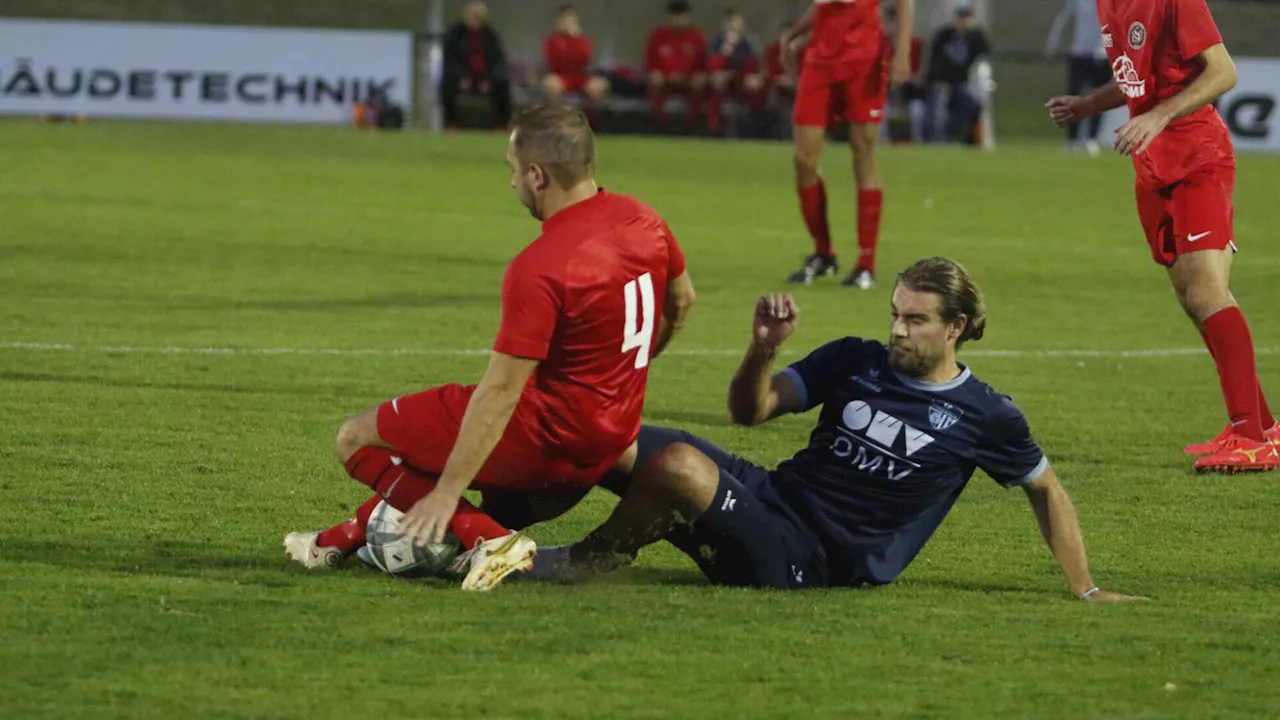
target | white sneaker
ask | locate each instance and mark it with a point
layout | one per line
(302, 548)
(1093, 148)
(489, 562)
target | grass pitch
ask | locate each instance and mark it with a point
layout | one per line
(146, 482)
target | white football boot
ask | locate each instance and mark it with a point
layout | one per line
(302, 548)
(489, 562)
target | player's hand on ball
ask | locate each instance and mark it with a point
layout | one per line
(1135, 136)
(1066, 109)
(1103, 596)
(775, 320)
(428, 519)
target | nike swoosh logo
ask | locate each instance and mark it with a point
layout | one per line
(1193, 238)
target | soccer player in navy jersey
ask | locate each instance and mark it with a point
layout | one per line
(901, 430)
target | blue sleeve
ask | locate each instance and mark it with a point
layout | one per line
(818, 372)
(1007, 451)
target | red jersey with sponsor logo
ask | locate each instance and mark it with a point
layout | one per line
(1152, 46)
(585, 299)
(568, 55)
(675, 50)
(845, 32)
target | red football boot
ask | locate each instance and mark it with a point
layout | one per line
(1213, 446)
(1240, 454)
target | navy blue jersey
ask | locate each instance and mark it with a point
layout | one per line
(891, 454)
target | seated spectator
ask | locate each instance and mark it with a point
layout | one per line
(955, 50)
(733, 70)
(475, 64)
(568, 53)
(911, 94)
(675, 63)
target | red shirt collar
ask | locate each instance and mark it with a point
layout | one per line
(573, 211)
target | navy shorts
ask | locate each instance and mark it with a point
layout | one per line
(748, 537)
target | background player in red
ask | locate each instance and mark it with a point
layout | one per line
(733, 69)
(584, 309)
(847, 59)
(1169, 65)
(675, 63)
(568, 53)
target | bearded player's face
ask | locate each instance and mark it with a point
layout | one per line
(918, 336)
(523, 181)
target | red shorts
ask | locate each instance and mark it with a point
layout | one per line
(423, 428)
(574, 83)
(1193, 214)
(864, 92)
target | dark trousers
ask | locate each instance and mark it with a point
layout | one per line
(1084, 75)
(499, 98)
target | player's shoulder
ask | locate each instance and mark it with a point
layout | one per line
(853, 353)
(996, 406)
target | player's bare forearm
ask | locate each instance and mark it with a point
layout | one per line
(1061, 529)
(802, 26)
(485, 420)
(679, 300)
(906, 25)
(1218, 76)
(750, 393)
(1107, 97)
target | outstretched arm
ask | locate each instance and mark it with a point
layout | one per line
(1067, 109)
(1061, 530)
(483, 424)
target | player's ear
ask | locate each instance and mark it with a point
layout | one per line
(541, 178)
(957, 327)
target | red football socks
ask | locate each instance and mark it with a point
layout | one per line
(402, 486)
(1264, 410)
(870, 203)
(349, 535)
(813, 205)
(1229, 341)
(715, 109)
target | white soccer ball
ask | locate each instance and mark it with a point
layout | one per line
(399, 556)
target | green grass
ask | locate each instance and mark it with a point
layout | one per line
(143, 495)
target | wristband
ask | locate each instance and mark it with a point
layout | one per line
(1085, 595)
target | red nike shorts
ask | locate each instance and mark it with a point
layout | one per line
(423, 428)
(1192, 214)
(864, 91)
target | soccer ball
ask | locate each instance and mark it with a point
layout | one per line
(399, 556)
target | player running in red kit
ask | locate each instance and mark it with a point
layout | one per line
(847, 58)
(1169, 65)
(584, 309)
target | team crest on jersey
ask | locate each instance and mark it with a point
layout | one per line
(943, 415)
(1137, 35)
(1127, 77)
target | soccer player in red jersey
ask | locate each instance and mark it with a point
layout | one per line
(1170, 65)
(568, 53)
(585, 307)
(847, 59)
(734, 70)
(675, 62)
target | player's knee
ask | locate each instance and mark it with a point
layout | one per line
(697, 81)
(657, 80)
(753, 83)
(552, 85)
(806, 161)
(356, 432)
(684, 474)
(597, 88)
(720, 81)
(1203, 298)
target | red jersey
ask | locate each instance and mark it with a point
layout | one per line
(1152, 45)
(585, 299)
(675, 50)
(568, 55)
(846, 32)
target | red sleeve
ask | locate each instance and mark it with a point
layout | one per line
(531, 306)
(752, 67)
(656, 39)
(701, 51)
(1194, 27)
(548, 52)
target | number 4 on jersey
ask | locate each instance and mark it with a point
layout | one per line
(639, 297)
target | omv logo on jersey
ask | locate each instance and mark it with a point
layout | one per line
(878, 443)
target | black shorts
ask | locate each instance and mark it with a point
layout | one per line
(748, 537)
